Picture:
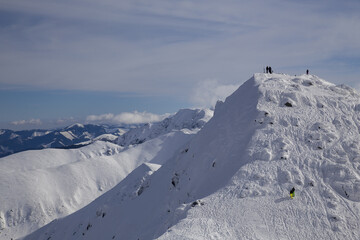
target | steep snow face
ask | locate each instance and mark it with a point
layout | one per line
(306, 135)
(232, 180)
(191, 119)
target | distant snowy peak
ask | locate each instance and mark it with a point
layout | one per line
(76, 125)
(191, 119)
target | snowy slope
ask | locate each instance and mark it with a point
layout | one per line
(232, 180)
(39, 186)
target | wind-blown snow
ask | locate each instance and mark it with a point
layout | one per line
(232, 180)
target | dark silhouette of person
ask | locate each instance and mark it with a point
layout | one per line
(267, 69)
(307, 72)
(270, 70)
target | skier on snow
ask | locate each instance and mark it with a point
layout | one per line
(292, 193)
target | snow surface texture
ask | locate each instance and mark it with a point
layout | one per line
(232, 180)
(39, 186)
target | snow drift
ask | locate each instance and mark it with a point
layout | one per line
(232, 180)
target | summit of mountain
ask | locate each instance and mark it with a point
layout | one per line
(232, 179)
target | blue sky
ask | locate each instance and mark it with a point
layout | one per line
(63, 61)
(53, 107)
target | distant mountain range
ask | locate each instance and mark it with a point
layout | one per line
(69, 137)
(78, 135)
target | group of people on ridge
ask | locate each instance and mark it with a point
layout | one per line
(269, 69)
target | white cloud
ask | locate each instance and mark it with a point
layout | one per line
(20, 122)
(208, 92)
(103, 117)
(39, 124)
(126, 118)
(27, 122)
(109, 118)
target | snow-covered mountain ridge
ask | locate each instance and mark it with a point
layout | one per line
(191, 119)
(232, 180)
(41, 185)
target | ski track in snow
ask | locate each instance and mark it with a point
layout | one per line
(232, 180)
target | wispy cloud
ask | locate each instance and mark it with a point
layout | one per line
(126, 118)
(109, 118)
(31, 122)
(208, 92)
(141, 46)
(39, 124)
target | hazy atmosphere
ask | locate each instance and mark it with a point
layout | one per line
(136, 61)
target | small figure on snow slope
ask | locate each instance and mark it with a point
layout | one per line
(292, 193)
